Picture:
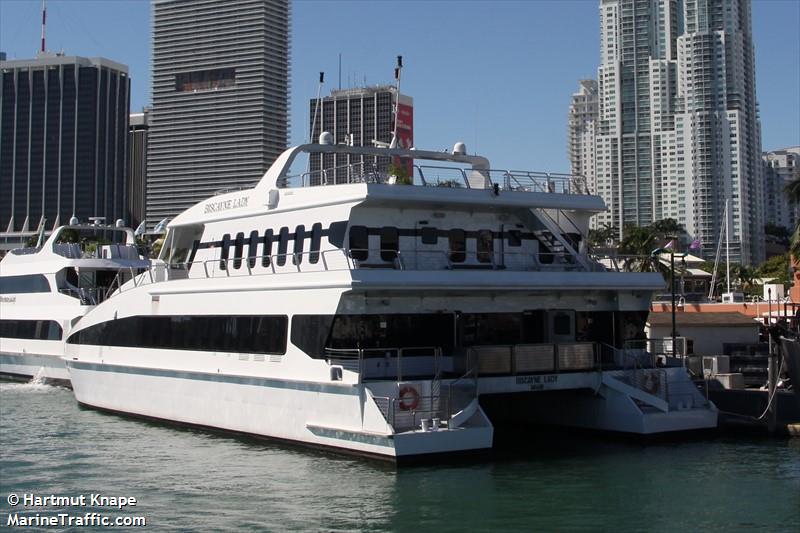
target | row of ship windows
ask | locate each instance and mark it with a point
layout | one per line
(24, 284)
(43, 330)
(358, 244)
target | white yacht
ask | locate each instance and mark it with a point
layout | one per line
(342, 308)
(45, 290)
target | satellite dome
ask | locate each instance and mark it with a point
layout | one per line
(326, 137)
(459, 149)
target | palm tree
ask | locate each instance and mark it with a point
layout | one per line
(793, 193)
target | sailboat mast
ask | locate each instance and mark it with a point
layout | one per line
(727, 244)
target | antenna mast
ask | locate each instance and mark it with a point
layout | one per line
(397, 70)
(44, 20)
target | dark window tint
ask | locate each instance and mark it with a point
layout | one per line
(299, 242)
(24, 284)
(314, 333)
(268, 238)
(246, 334)
(283, 245)
(458, 245)
(252, 248)
(485, 246)
(390, 243)
(514, 237)
(43, 330)
(336, 233)
(223, 254)
(359, 243)
(238, 250)
(491, 328)
(316, 239)
(562, 324)
(429, 236)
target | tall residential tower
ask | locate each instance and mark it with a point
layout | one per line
(220, 98)
(677, 134)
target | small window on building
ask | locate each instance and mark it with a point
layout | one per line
(252, 248)
(390, 243)
(225, 251)
(485, 246)
(238, 250)
(316, 239)
(458, 245)
(429, 236)
(283, 245)
(267, 252)
(514, 237)
(359, 243)
(299, 242)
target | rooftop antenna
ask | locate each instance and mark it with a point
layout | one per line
(340, 71)
(44, 20)
(397, 71)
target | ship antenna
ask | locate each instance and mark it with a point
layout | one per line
(44, 20)
(397, 70)
(316, 108)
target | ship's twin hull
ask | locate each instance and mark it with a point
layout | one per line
(340, 416)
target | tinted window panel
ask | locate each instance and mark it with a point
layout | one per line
(252, 248)
(429, 236)
(299, 242)
(24, 284)
(223, 254)
(43, 330)
(316, 240)
(268, 238)
(359, 243)
(283, 245)
(390, 243)
(485, 246)
(241, 333)
(458, 245)
(514, 237)
(238, 250)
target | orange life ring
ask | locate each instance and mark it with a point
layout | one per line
(409, 398)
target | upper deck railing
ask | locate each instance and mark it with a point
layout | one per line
(445, 176)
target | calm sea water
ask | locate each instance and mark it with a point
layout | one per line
(191, 480)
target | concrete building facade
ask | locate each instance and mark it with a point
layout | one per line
(781, 167)
(137, 165)
(63, 142)
(677, 133)
(358, 116)
(220, 98)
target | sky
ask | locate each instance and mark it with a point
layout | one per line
(497, 75)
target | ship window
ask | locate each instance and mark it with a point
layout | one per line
(458, 245)
(238, 250)
(299, 243)
(429, 236)
(485, 246)
(43, 330)
(562, 324)
(390, 243)
(268, 238)
(24, 284)
(224, 253)
(514, 237)
(283, 245)
(359, 243)
(252, 248)
(336, 233)
(244, 334)
(316, 238)
(314, 333)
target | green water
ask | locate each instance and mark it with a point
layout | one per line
(195, 481)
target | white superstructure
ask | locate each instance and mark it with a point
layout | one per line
(46, 289)
(369, 316)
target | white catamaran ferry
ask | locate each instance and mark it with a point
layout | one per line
(342, 308)
(45, 290)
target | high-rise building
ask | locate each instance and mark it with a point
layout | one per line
(359, 116)
(220, 98)
(678, 134)
(63, 142)
(781, 167)
(137, 165)
(581, 125)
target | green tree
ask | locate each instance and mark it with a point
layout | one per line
(401, 174)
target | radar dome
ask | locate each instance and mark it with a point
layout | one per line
(459, 149)
(326, 137)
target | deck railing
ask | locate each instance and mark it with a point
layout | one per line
(446, 176)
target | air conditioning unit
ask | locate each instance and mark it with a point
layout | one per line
(716, 364)
(732, 297)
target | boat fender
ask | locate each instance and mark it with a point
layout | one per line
(409, 398)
